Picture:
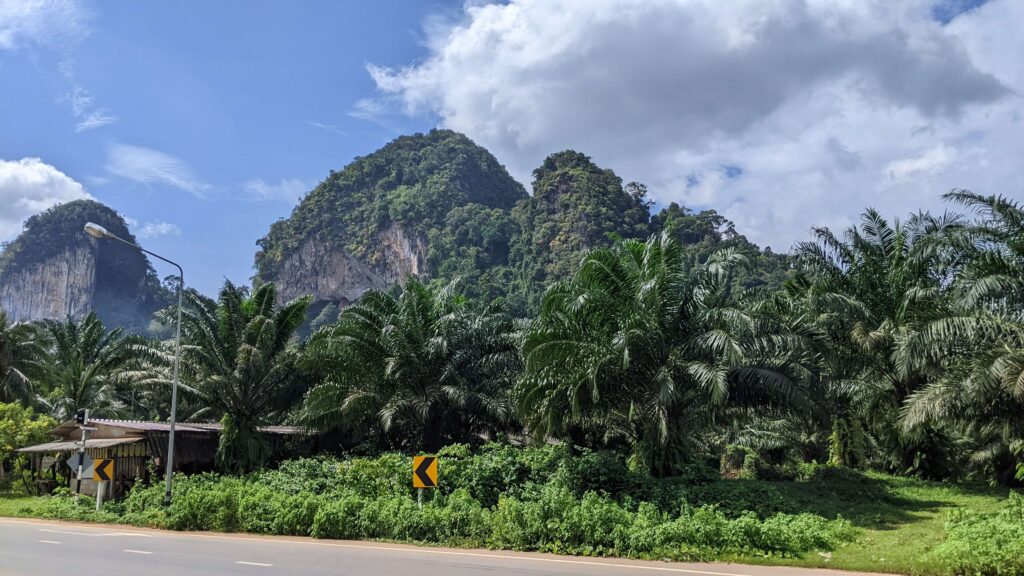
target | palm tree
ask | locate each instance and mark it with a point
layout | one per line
(236, 354)
(85, 364)
(980, 341)
(647, 349)
(20, 356)
(887, 280)
(421, 364)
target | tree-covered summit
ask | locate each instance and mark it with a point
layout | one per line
(124, 291)
(413, 181)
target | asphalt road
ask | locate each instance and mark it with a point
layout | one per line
(43, 548)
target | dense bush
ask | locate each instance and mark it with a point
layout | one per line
(984, 544)
(546, 499)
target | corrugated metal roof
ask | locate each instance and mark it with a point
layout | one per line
(69, 446)
(199, 427)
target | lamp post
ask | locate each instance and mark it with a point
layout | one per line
(97, 231)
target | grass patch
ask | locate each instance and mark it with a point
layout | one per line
(12, 505)
(901, 521)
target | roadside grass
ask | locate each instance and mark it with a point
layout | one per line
(20, 505)
(900, 520)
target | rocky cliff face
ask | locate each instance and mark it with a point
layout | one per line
(328, 272)
(409, 208)
(53, 270)
(62, 285)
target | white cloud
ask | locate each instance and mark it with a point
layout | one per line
(332, 128)
(287, 190)
(88, 116)
(825, 106)
(930, 162)
(150, 166)
(29, 186)
(154, 229)
(58, 25)
(368, 108)
(48, 23)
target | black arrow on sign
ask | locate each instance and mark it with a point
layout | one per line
(103, 471)
(421, 471)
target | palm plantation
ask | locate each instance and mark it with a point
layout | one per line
(87, 366)
(637, 346)
(20, 355)
(237, 357)
(421, 364)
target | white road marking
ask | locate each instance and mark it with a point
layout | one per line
(482, 555)
(136, 551)
(253, 563)
(49, 542)
(95, 534)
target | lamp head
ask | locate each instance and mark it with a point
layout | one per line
(96, 231)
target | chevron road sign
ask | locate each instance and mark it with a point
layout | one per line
(103, 469)
(424, 471)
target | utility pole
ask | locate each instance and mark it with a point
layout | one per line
(82, 419)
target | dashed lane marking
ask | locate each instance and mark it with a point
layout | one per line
(253, 563)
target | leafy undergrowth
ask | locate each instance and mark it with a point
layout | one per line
(547, 499)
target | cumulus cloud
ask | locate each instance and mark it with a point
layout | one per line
(154, 229)
(820, 107)
(286, 190)
(29, 186)
(149, 166)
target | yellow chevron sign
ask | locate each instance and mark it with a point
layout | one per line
(104, 469)
(424, 471)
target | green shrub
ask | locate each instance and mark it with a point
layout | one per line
(339, 518)
(545, 499)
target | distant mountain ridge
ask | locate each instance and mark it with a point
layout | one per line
(440, 207)
(435, 205)
(53, 269)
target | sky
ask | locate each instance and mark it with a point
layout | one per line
(204, 122)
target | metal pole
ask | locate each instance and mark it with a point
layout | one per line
(174, 395)
(81, 458)
(168, 474)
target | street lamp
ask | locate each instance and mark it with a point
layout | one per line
(97, 231)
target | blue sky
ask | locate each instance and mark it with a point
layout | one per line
(203, 122)
(221, 96)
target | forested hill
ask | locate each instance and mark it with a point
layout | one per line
(440, 207)
(53, 269)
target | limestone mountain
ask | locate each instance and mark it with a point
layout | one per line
(576, 206)
(432, 205)
(439, 207)
(52, 270)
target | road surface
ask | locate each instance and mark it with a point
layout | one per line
(44, 548)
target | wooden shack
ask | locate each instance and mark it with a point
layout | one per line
(139, 449)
